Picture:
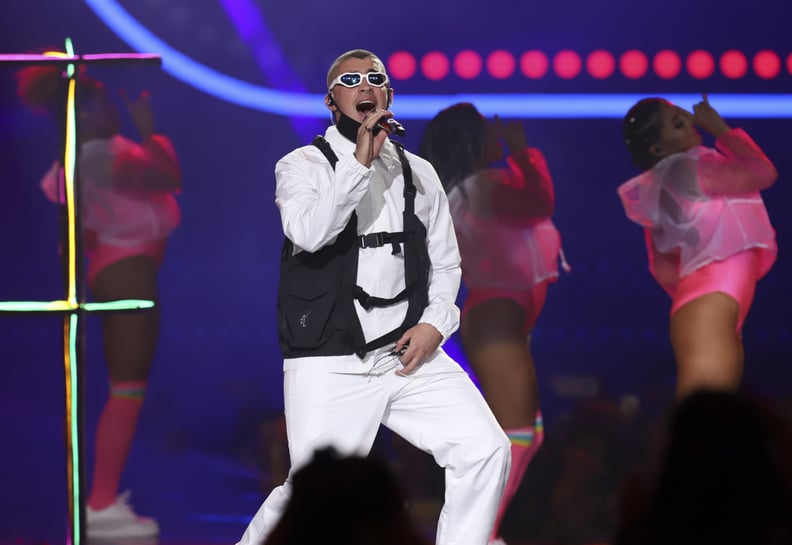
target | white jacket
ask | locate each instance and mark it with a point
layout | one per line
(316, 202)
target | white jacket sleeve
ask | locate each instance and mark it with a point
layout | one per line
(446, 273)
(316, 201)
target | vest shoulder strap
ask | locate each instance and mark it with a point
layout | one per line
(324, 146)
(409, 185)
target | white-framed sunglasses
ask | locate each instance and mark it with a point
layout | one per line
(353, 79)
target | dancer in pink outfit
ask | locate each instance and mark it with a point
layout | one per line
(708, 235)
(128, 212)
(510, 251)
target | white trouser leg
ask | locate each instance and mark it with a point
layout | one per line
(440, 411)
(322, 409)
(267, 516)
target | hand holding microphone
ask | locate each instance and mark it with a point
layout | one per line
(390, 125)
(368, 149)
(387, 123)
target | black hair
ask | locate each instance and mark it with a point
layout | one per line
(641, 130)
(454, 143)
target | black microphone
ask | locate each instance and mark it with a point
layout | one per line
(390, 125)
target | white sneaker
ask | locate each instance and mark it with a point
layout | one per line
(118, 520)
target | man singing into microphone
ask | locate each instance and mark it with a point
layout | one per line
(369, 274)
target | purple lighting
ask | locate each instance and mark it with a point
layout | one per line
(249, 22)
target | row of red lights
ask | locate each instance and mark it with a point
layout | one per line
(599, 64)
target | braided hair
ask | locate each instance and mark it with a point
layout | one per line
(641, 130)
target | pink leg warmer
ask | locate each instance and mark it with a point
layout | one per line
(114, 439)
(524, 444)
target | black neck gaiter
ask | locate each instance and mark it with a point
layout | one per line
(348, 127)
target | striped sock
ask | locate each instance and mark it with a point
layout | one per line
(524, 444)
(521, 436)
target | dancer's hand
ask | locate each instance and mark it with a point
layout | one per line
(141, 113)
(421, 341)
(705, 116)
(512, 133)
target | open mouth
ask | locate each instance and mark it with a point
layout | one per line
(365, 107)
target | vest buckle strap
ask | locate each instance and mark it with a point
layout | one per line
(373, 240)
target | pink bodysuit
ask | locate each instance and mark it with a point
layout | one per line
(707, 229)
(128, 198)
(509, 246)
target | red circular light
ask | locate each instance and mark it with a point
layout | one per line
(789, 63)
(401, 65)
(600, 64)
(435, 65)
(567, 64)
(534, 64)
(667, 64)
(633, 64)
(700, 64)
(733, 64)
(501, 64)
(767, 64)
(467, 64)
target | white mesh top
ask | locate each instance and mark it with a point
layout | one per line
(703, 205)
(127, 189)
(502, 222)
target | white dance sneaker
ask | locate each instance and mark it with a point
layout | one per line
(118, 520)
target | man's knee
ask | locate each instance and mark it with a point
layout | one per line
(495, 447)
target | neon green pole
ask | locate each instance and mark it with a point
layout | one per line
(74, 306)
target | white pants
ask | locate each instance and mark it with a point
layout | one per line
(438, 409)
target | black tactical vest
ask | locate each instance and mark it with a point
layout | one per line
(316, 294)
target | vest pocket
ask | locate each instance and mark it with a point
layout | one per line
(304, 317)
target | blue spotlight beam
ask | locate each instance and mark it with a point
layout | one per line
(553, 106)
(292, 103)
